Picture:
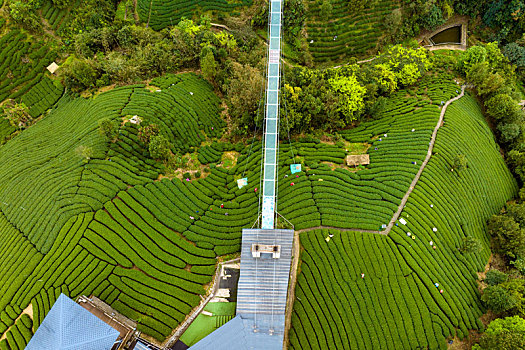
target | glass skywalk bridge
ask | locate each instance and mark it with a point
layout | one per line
(266, 253)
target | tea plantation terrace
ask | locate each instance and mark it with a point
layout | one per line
(266, 252)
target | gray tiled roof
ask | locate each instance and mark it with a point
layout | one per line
(68, 326)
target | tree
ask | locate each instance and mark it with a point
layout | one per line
(498, 299)
(407, 64)
(301, 111)
(350, 96)
(459, 163)
(494, 55)
(108, 127)
(502, 107)
(481, 75)
(519, 264)
(244, 95)
(208, 66)
(146, 132)
(508, 132)
(79, 74)
(326, 8)
(515, 53)
(470, 245)
(492, 83)
(494, 277)
(386, 79)
(408, 75)
(393, 21)
(17, 114)
(516, 289)
(84, 152)
(470, 57)
(159, 147)
(507, 235)
(517, 212)
(503, 334)
(294, 16)
(478, 73)
(24, 13)
(292, 116)
(516, 161)
(433, 18)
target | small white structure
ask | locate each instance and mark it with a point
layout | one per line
(135, 119)
(52, 67)
(403, 221)
(242, 182)
(223, 293)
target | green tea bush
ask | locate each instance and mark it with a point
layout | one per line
(73, 186)
(161, 14)
(346, 32)
(42, 96)
(149, 248)
(23, 63)
(19, 334)
(397, 296)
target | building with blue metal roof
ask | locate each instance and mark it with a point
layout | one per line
(68, 326)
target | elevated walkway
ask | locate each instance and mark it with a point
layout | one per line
(271, 127)
(266, 253)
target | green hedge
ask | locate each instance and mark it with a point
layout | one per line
(397, 297)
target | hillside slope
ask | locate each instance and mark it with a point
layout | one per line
(106, 226)
(397, 304)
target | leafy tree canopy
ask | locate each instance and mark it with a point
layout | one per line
(508, 237)
(503, 334)
(494, 277)
(159, 147)
(406, 64)
(498, 299)
(108, 128)
(470, 245)
(350, 93)
(17, 114)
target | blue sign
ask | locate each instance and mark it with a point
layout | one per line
(295, 168)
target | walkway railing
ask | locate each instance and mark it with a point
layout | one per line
(271, 127)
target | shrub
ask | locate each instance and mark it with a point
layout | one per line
(159, 147)
(470, 245)
(108, 128)
(503, 333)
(498, 299)
(494, 277)
(79, 74)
